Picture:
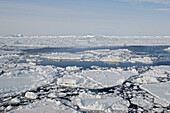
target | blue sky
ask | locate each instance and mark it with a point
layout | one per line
(81, 17)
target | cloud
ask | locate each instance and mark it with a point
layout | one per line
(150, 1)
(165, 3)
(164, 9)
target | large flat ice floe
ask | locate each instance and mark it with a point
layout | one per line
(21, 77)
(96, 78)
(108, 78)
(160, 90)
(14, 84)
(44, 106)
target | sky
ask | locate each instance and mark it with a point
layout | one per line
(85, 17)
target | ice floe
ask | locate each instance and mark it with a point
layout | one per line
(100, 103)
(30, 95)
(96, 78)
(160, 90)
(104, 55)
(44, 106)
(154, 75)
(17, 78)
(108, 78)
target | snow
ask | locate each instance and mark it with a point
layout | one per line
(141, 60)
(63, 56)
(14, 84)
(141, 102)
(96, 78)
(161, 90)
(9, 108)
(44, 106)
(86, 41)
(104, 55)
(3, 52)
(153, 75)
(24, 76)
(30, 95)
(52, 95)
(73, 68)
(67, 81)
(120, 106)
(71, 80)
(15, 101)
(99, 103)
(108, 78)
(17, 42)
(167, 49)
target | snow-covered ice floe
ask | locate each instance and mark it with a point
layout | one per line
(160, 90)
(154, 75)
(69, 81)
(104, 55)
(167, 49)
(156, 82)
(24, 76)
(96, 78)
(44, 106)
(108, 78)
(100, 103)
(3, 52)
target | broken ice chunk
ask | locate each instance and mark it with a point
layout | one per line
(30, 95)
(52, 95)
(67, 81)
(9, 107)
(15, 100)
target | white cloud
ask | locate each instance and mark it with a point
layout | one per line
(151, 1)
(164, 9)
(163, 2)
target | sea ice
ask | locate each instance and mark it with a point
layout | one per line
(67, 81)
(108, 78)
(44, 106)
(14, 84)
(161, 90)
(30, 95)
(104, 55)
(84, 41)
(21, 77)
(15, 100)
(167, 49)
(153, 75)
(98, 103)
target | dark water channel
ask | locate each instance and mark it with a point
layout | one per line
(156, 51)
(86, 64)
(135, 49)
